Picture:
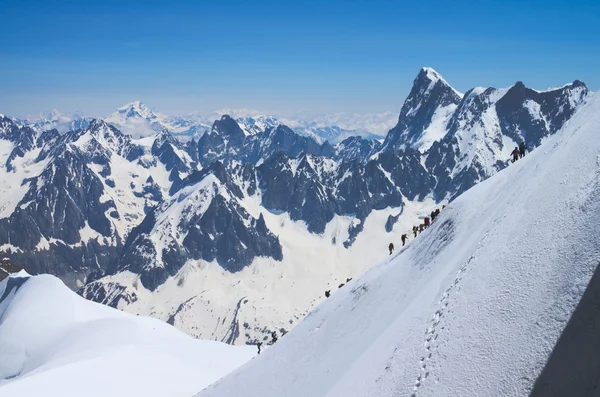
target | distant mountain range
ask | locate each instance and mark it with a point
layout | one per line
(241, 228)
(138, 120)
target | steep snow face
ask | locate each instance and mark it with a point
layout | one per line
(53, 342)
(473, 307)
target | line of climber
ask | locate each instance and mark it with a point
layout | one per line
(418, 229)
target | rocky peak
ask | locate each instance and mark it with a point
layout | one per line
(430, 97)
(227, 127)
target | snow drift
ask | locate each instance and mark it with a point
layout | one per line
(473, 307)
(53, 342)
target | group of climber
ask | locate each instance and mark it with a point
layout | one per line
(274, 339)
(519, 152)
(328, 292)
(418, 229)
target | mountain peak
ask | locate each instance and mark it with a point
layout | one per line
(428, 74)
(101, 129)
(134, 104)
(227, 126)
(431, 73)
(97, 124)
(135, 109)
(430, 102)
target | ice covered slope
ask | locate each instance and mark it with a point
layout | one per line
(473, 307)
(55, 343)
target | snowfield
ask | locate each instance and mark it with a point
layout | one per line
(472, 307)
(55, 343)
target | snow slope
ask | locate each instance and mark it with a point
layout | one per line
(473, 307)
(55, 343)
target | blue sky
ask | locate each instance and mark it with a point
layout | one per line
(282, 56)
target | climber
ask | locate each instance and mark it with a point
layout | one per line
(426, 222)
(327, 293)
(522, 149)
(404, 237)
(437, 212)
(515, 154)
(415, 230)
(273, 337)
(391, 247)
(348, 279)
(259, 345)
(432, 216)
(421, 228)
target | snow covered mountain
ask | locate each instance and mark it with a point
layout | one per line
(489, 123)
(228, 141)
(69, 201)
(464, 139)
(240, 232)
(53, 342)
(476, 305)
(353, 196)
(137, 120)
(319, 132)
(284, 187)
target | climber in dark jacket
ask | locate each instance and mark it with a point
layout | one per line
(522, 149)
(404, 237)
(391, 247)
(515, 153)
